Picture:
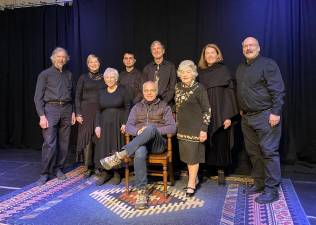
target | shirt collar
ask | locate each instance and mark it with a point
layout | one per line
(250, 62)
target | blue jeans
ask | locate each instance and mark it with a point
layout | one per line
(149, 140)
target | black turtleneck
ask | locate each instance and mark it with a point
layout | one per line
(87, 89)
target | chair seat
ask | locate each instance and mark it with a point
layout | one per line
(162, 156)
(164, 159)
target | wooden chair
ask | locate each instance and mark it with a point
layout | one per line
(164, 159)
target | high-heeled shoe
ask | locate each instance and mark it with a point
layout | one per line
(190, 194)
(197, 184)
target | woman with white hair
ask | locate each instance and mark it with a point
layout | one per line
(193, 117)
(114, 105)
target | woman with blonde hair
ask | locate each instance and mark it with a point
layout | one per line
(87, 90)
(217, 79)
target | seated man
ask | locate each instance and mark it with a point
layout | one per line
(148, 121)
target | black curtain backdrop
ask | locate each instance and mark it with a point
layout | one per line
(286, 30)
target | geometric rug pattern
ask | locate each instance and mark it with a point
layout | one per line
(79, 201)
(241, 208)
(122, 204)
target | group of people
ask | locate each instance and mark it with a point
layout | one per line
(150, 104)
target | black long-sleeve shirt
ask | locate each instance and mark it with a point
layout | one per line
(260, 86)
(133, 83)
(53, 85)
(166, 73)
(87, 89)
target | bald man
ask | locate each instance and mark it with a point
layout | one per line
(260, 92)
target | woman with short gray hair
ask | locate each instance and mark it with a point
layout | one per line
(114, 105)
(193, 117)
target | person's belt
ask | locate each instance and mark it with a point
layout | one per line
(58, 102)
(255, 112)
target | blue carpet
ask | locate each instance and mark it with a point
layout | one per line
(80, 201)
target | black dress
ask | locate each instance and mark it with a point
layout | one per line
(220, 88)
(112, 113)
(193, 115)
(87, 90)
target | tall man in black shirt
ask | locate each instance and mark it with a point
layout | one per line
(131, 78)
(260, 92)
(53, 100)
(162, 72)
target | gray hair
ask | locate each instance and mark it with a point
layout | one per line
(151, 82)
(185, 64)
(257, 42)
(57, 50)
(92, 56)
(157, 42)
(109, 71)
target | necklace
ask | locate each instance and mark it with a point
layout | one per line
(95, 76)
(111, 90)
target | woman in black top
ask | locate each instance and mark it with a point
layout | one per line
(216, 78)
(114, 105)
(87, 91)
(193, 117)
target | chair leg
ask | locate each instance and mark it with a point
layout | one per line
(126, 178)
(165, 179)
(170, 173)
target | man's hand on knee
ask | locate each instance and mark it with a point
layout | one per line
(141, 130)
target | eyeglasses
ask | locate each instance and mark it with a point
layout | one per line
(149, 91)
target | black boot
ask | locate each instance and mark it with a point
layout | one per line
(87, 173)
(105, 176)
(88, 154)
(116, 179)
(221, 177)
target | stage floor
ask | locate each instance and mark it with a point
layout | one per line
(20, 167)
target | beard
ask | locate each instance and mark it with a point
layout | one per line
(59, 65)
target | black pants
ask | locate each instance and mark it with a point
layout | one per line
(56, 137)
(262, 144)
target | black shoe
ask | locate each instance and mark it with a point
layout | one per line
(42, 180)
(190, 192)
(97, 172)
(254, 189)
(116, 179)
(267, 197)
(103, 178)
(60, 175)
(197, 184)
(87, 174)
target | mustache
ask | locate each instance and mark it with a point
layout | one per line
(249, 51)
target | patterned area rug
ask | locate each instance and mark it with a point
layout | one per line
(240, 208)
(80, 201)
